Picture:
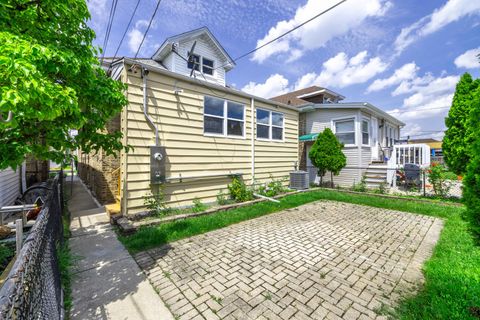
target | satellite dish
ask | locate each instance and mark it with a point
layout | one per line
(190, 58)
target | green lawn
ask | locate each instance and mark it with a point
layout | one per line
(452, 288)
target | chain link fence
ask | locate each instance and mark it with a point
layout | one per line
(32, 289)
(410, 180)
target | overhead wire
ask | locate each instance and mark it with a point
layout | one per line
(285, 33)
(148, 28)
(126, 29)
(113, 9)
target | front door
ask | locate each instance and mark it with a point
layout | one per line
(375, 144)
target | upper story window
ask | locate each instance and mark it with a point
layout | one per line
(345, 131)
(270, 125)
(365, 132)
(201, 63)
(223, 117)
(207, 66)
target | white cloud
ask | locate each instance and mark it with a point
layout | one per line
(275, 85)
(318, 32)
(406, 72)
(429, 97)
(341, 71)
(452, 11)
(470, 59)
(134, 39)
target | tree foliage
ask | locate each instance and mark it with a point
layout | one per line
(459, 135)
(326, 154)
(471, 182)
(52, 81)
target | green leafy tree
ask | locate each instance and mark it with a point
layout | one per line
(326, 154)
(51, 80)
(459, 135)
(471, 181)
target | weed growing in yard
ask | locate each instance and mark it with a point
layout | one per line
(267, 295)
(155, 202)
(198, 206)
(216, 299)
(222, 198)
(361, 186)
(437, 175)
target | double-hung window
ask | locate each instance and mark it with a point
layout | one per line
(207, 66)
(270, 125)
(223, 117)
(365, 132)
(345, 131)
(200, 64)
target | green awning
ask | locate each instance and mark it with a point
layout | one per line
(308, 137)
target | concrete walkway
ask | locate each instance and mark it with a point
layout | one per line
(107, 282)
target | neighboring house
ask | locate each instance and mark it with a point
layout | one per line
(11, 185)
(207, 132)
(435, 148)
(368, 133)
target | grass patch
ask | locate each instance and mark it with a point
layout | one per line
(65, 264)
(452, 286)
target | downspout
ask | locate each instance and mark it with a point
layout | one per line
(252, 107)
(145, 105)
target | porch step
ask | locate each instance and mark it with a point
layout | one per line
(376, 175)
(113, 209)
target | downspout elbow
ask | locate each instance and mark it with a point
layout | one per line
(145, 105)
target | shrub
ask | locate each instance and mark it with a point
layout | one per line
(437, 176)
(382, 188)
(449, 175)
(239, 191)
(198, 206)
(326, 154)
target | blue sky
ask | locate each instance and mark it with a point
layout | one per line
(404, 57)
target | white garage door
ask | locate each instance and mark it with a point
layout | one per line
(9, 186)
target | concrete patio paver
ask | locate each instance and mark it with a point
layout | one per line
(325, 260)
(107, 283)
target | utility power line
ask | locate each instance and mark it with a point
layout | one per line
(148, 28)
(285, 33)
(113, 9)
(126, 29)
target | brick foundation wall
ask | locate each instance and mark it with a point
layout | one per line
(99, 171)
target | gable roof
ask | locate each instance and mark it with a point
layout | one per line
(294, 98)
(165, 48)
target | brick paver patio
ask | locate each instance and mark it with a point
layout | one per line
(322, 260)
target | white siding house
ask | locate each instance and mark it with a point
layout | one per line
(9, 186)
(367, 132)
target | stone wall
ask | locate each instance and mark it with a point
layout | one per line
(99, 171)
(36, 170)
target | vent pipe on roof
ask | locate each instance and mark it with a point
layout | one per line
(145, 105)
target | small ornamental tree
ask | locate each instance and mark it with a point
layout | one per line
(459, 135)
(326, 154)
(471, 182)
(52, 82)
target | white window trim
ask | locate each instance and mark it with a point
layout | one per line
(334, 129)
(225, 119)
(369, 132)
(270, 126)
(200, 66)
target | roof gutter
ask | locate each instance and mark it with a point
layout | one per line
(206, 84)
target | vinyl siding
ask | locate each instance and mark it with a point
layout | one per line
(189, 151)
(9, 186)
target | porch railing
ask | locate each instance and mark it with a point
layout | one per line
(402, 154)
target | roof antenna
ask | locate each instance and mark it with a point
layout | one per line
(190, 57)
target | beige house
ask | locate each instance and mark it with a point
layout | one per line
(190, 132)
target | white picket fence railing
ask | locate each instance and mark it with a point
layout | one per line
(402, 154)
